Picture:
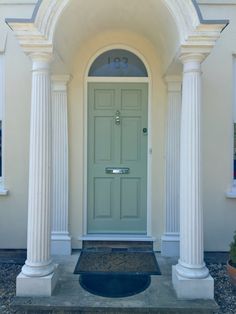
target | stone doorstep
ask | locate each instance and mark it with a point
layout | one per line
(27, 305)
(55, 310)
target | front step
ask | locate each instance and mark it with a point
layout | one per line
(129, 245)
(69, 297)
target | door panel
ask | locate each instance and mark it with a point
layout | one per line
(117, 202)
(131, 99)
(130, 133)
(103, 197)
(103, 129)
(103, 99)
(130, 198)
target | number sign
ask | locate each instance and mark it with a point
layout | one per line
(118, 62)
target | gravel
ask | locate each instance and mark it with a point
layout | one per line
(8, 273)
(225, 296)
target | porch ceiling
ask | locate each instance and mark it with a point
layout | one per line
(84, 19)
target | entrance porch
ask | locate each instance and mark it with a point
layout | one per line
(63, 38)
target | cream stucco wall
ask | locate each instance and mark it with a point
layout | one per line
(219, 212)
(217, 146)
(13, 207)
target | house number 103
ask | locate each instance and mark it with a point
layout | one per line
(119, 62)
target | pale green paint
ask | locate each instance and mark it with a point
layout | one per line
(117, 203)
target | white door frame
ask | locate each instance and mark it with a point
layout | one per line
(85, 144)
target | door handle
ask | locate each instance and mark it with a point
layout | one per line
(117, 118)
(115, 170)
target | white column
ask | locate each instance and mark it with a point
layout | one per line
(37, 276)
(190, 276)
(60, 239)
(170, 239)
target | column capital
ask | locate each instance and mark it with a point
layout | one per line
(192, 61)
(41, 56)
(194, 56)
(174, 83)
(41, 60)
(59, 82)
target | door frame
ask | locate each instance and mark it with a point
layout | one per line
(147, 80)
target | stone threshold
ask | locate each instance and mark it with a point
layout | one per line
(129, 245)
(117, 237)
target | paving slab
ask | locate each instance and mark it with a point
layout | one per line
(70, 297)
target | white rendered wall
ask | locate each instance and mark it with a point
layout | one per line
(217, 142)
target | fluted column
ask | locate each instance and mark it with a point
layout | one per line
(61, 241)
(39, 263)
(190, 272)
(170, 239)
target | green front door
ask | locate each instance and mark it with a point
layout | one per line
(117, 157)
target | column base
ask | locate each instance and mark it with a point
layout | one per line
(36, 286)
(192, 288)
(60, 244)
(170, 245)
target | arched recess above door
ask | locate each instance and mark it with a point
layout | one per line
(118, 63)
(174, 27)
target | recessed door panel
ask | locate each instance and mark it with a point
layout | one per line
(104, 99)
(103, 139)
(131, 99)
(103, 198)
(117, 158)
(130, 139)
(130, 198)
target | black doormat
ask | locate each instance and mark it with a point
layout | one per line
(117, 262)
(114, 285)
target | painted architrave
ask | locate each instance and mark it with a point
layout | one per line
(147, 80)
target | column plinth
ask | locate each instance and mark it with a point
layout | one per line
(39, 263)
(60, 239)
(190, 276)
(170, 239)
